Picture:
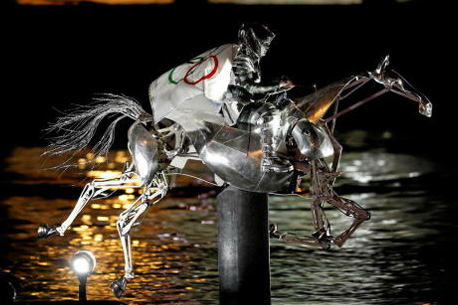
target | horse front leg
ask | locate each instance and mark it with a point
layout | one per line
(349, 208)
(322, 188)
(99, 188)
(289, 238)
(127, 220)
(322, 179)
(319, 180)
(322, 233)
(321, 237)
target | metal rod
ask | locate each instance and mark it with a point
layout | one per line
(243, 248)
(356, 105)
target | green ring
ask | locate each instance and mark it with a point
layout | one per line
(172, 81)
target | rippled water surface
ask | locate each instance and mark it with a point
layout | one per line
(403, 255)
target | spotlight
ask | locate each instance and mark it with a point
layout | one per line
(83, 264)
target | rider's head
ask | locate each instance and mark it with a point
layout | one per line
(256, 37)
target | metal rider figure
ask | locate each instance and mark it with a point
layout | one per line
(245, 87)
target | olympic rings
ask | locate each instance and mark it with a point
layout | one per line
(192, 69)
(209, 75)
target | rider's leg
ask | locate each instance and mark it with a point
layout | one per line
(270, 160)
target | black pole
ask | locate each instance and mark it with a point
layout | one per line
(243, 248)
(82, 288)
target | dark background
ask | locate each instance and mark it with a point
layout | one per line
(56, 56)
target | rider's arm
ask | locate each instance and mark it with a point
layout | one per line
(247, 78)
(255, 89)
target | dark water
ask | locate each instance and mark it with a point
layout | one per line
(404, 255)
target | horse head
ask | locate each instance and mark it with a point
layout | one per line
(316, 105)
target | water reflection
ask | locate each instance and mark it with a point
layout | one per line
(377, 166)
(400, 256)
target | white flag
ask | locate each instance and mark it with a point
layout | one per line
(193, 92)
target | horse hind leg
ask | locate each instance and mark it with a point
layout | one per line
(99, 188)
(150, 159)
(90, 191)
(127, 220)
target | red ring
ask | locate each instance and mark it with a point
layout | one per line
(215, 68)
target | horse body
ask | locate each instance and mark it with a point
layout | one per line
(235, 156)
(233, 153)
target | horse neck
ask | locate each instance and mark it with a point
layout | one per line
(315, 105)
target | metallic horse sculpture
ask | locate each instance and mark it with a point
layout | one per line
(234, 154)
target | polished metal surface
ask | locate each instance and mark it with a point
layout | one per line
(235, 155)
(312, 141)
(144, 149)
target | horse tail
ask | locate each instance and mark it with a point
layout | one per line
(77, 126)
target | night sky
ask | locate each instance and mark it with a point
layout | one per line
(56, 56)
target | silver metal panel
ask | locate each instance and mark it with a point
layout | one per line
(144, 149)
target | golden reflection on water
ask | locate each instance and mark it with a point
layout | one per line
(174, 251)
(164, 248)
(161, 250)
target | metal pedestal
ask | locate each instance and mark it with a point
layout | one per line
(243, 248)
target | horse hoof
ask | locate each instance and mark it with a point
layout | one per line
(119, 286)
(323, 239)
(46, 231)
